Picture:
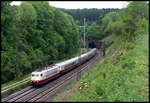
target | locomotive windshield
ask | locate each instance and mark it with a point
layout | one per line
(35, 75)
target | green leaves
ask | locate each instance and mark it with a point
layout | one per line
(26, 15)
(128, 22)
(108, 21)
(134, 13)
(43, 34)
(93, 32)
(24, 63)
(117, 27)
(91, 15)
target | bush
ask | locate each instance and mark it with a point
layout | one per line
(118, 28)
(142, 26)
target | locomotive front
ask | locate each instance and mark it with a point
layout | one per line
(36, 78)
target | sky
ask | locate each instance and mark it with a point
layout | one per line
(84, 4)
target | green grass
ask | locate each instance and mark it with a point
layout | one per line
(126, 79)
(10, 91)
(14, 81)
(85, 50)
(108, 38)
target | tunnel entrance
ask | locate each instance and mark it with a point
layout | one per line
(94, 44)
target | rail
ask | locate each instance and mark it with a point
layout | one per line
(49, 90)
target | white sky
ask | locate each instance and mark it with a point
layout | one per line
(84, 4)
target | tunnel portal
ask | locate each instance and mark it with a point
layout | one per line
(94, 44)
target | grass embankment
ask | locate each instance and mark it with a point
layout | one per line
(126, 67)
(14, 81)
(17, 88)
(14, 89)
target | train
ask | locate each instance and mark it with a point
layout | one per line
(45, 74)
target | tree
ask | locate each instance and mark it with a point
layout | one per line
(117, 27)
(107, 21)
(26, 18)
(37, 33)
(93, 31)
(91, 15)
(132, 15)
(8, 44)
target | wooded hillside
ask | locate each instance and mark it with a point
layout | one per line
(38, 34)
(35, 33)
(91, 15)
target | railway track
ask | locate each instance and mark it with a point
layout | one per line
(15, 85)
(51, 89)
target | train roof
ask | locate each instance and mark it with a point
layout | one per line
(45, 68)
(67, 61)
(75, 58)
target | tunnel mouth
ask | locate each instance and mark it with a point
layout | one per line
(92, 45)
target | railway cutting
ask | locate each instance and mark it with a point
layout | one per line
(50, 89)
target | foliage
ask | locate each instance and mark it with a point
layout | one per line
(127, 66)
(17, 88)
(43, 34)
(142, 26)
(126, 22)
(117, 28)
(93, 32)
(91, 15)
(107, 22)
(94, 17)
(134, 13)
(126, 80)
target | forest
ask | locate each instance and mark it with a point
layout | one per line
(93, 20)
(38, 34)
(35, 33)
(91, 15)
